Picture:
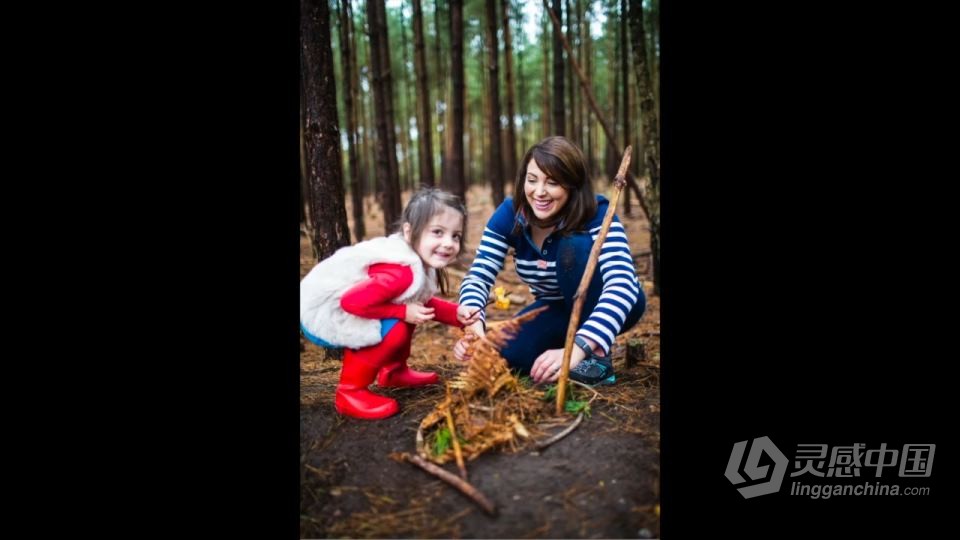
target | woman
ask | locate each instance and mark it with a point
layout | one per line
(551, 223)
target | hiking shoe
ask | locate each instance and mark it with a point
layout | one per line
(594, 370)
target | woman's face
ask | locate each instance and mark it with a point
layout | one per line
(546, 196)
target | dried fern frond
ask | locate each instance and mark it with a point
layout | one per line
(489, 406)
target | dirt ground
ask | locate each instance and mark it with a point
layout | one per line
(601, 481)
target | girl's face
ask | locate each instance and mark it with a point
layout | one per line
(546, 196)
(439, 243)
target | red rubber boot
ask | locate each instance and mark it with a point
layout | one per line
(352, 398)
(396, 373)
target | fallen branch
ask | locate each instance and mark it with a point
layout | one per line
(465, 487)
(562, 434)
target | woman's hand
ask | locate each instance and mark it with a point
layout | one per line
(546, 368)
(417, 313)
(467, 315)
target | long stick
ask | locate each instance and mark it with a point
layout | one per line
(611, 139)
(618, 183)
(465, 487)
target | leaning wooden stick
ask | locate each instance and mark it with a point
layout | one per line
(453, 480)
(453, 436)
(581, 295)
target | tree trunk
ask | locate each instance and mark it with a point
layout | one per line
(587, 53)
(360, 228)
(544, 87)
(324, 167)
(457, 181)
(387, 170)
(304, 190)
(559, 104)
(611, 159)
(522, 100)
(651, 133)
(625, 81)
(348, 62)
(572, 107)
(443, 97)
(511, 146)
(424, 130)
(493, 57)
(405, 139)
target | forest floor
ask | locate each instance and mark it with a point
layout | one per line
(601, 481)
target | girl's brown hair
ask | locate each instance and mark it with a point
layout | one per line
(423, 205)
(562, 161)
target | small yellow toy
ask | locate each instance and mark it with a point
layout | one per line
(502, 301)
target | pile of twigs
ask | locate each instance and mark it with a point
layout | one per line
(486, 405)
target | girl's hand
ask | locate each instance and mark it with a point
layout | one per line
(417, 313)
(467, 315)
(546, 368)
(460, 350)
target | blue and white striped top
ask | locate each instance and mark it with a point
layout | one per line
(538, 269)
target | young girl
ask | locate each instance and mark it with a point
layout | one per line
(368, 298)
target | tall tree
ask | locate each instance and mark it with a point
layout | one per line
(348, 61)
(457, 181)
(571, 91)
(387, 169)
(545, 88)
(304, 190)
(322, 133)
(443, 96)
(424, 131)
(625, 81)
(522, 101)
(651, 133)
(405, 138)
(511, 146)
(587, 54)
(496, 161)
(559, 118)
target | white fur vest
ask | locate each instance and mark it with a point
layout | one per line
(321, 289)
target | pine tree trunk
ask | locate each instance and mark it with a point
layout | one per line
(651, 133)
(571, 88)
(611, 159)
(347, 61)
(522, 100)
(625, 81)
(324, 166)
(511, 143)
(358, 190)
(424, 130)
(457, 181)
(559, 104)
(387, 169)
(443, 96)
(544, 87)
(493, 78)
(587, 54)
(304, 190)
(405, 139)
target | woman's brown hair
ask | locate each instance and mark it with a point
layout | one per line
(562, 161)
